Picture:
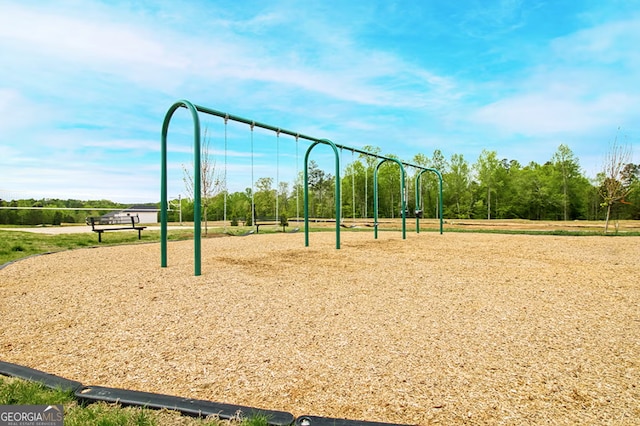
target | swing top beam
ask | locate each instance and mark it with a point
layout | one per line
(280, 130)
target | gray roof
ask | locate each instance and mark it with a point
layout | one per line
(140, 208)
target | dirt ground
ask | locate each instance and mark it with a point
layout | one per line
(460, 328)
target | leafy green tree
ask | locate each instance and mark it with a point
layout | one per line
(389, 195)
(321, 191)
(630, 205)
(57, 218)
(359, 173)
(216, 207)
(35, 216)
(508, 206)
(533, 191)
(568, 169)
(265, 198)
(457, 188)
(487, 170)
(282, 204)
(425, 182)
(239, 205)
(438, 162)
(295, 206)
(370, 163)
(429, 191)
(353, 190)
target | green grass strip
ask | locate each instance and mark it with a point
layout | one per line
(20, 392)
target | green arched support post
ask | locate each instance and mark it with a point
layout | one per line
(196, 185)
(306, 190)
(375, 197)
(427, 169)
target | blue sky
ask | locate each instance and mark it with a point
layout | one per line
(84, 85)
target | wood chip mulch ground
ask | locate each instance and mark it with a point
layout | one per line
(457, 328)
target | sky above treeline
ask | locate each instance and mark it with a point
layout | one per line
(85, 85)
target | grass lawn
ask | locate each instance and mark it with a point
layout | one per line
(16, 245)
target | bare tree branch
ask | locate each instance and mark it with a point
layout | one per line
(210, 183)
(613, 188)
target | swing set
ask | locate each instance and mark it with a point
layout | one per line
(337, 150)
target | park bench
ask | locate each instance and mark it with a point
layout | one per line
(104, 224)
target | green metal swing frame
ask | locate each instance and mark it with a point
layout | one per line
(197, 212)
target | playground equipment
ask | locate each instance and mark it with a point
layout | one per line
(225, 188)
(439, 175)
(197, 212)
(403, 202)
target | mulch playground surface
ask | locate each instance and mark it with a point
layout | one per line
(460, 328)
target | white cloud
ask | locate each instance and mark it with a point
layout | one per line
(13, 109)
(18, 112)
(572, 91)
(93, 41)
(540, 114)
(608, 43)
(148, 54)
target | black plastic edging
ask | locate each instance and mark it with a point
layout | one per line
(49, 380)
(191, 407)
(328, 421)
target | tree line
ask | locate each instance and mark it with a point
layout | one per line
(490, 188)
(53, 211)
